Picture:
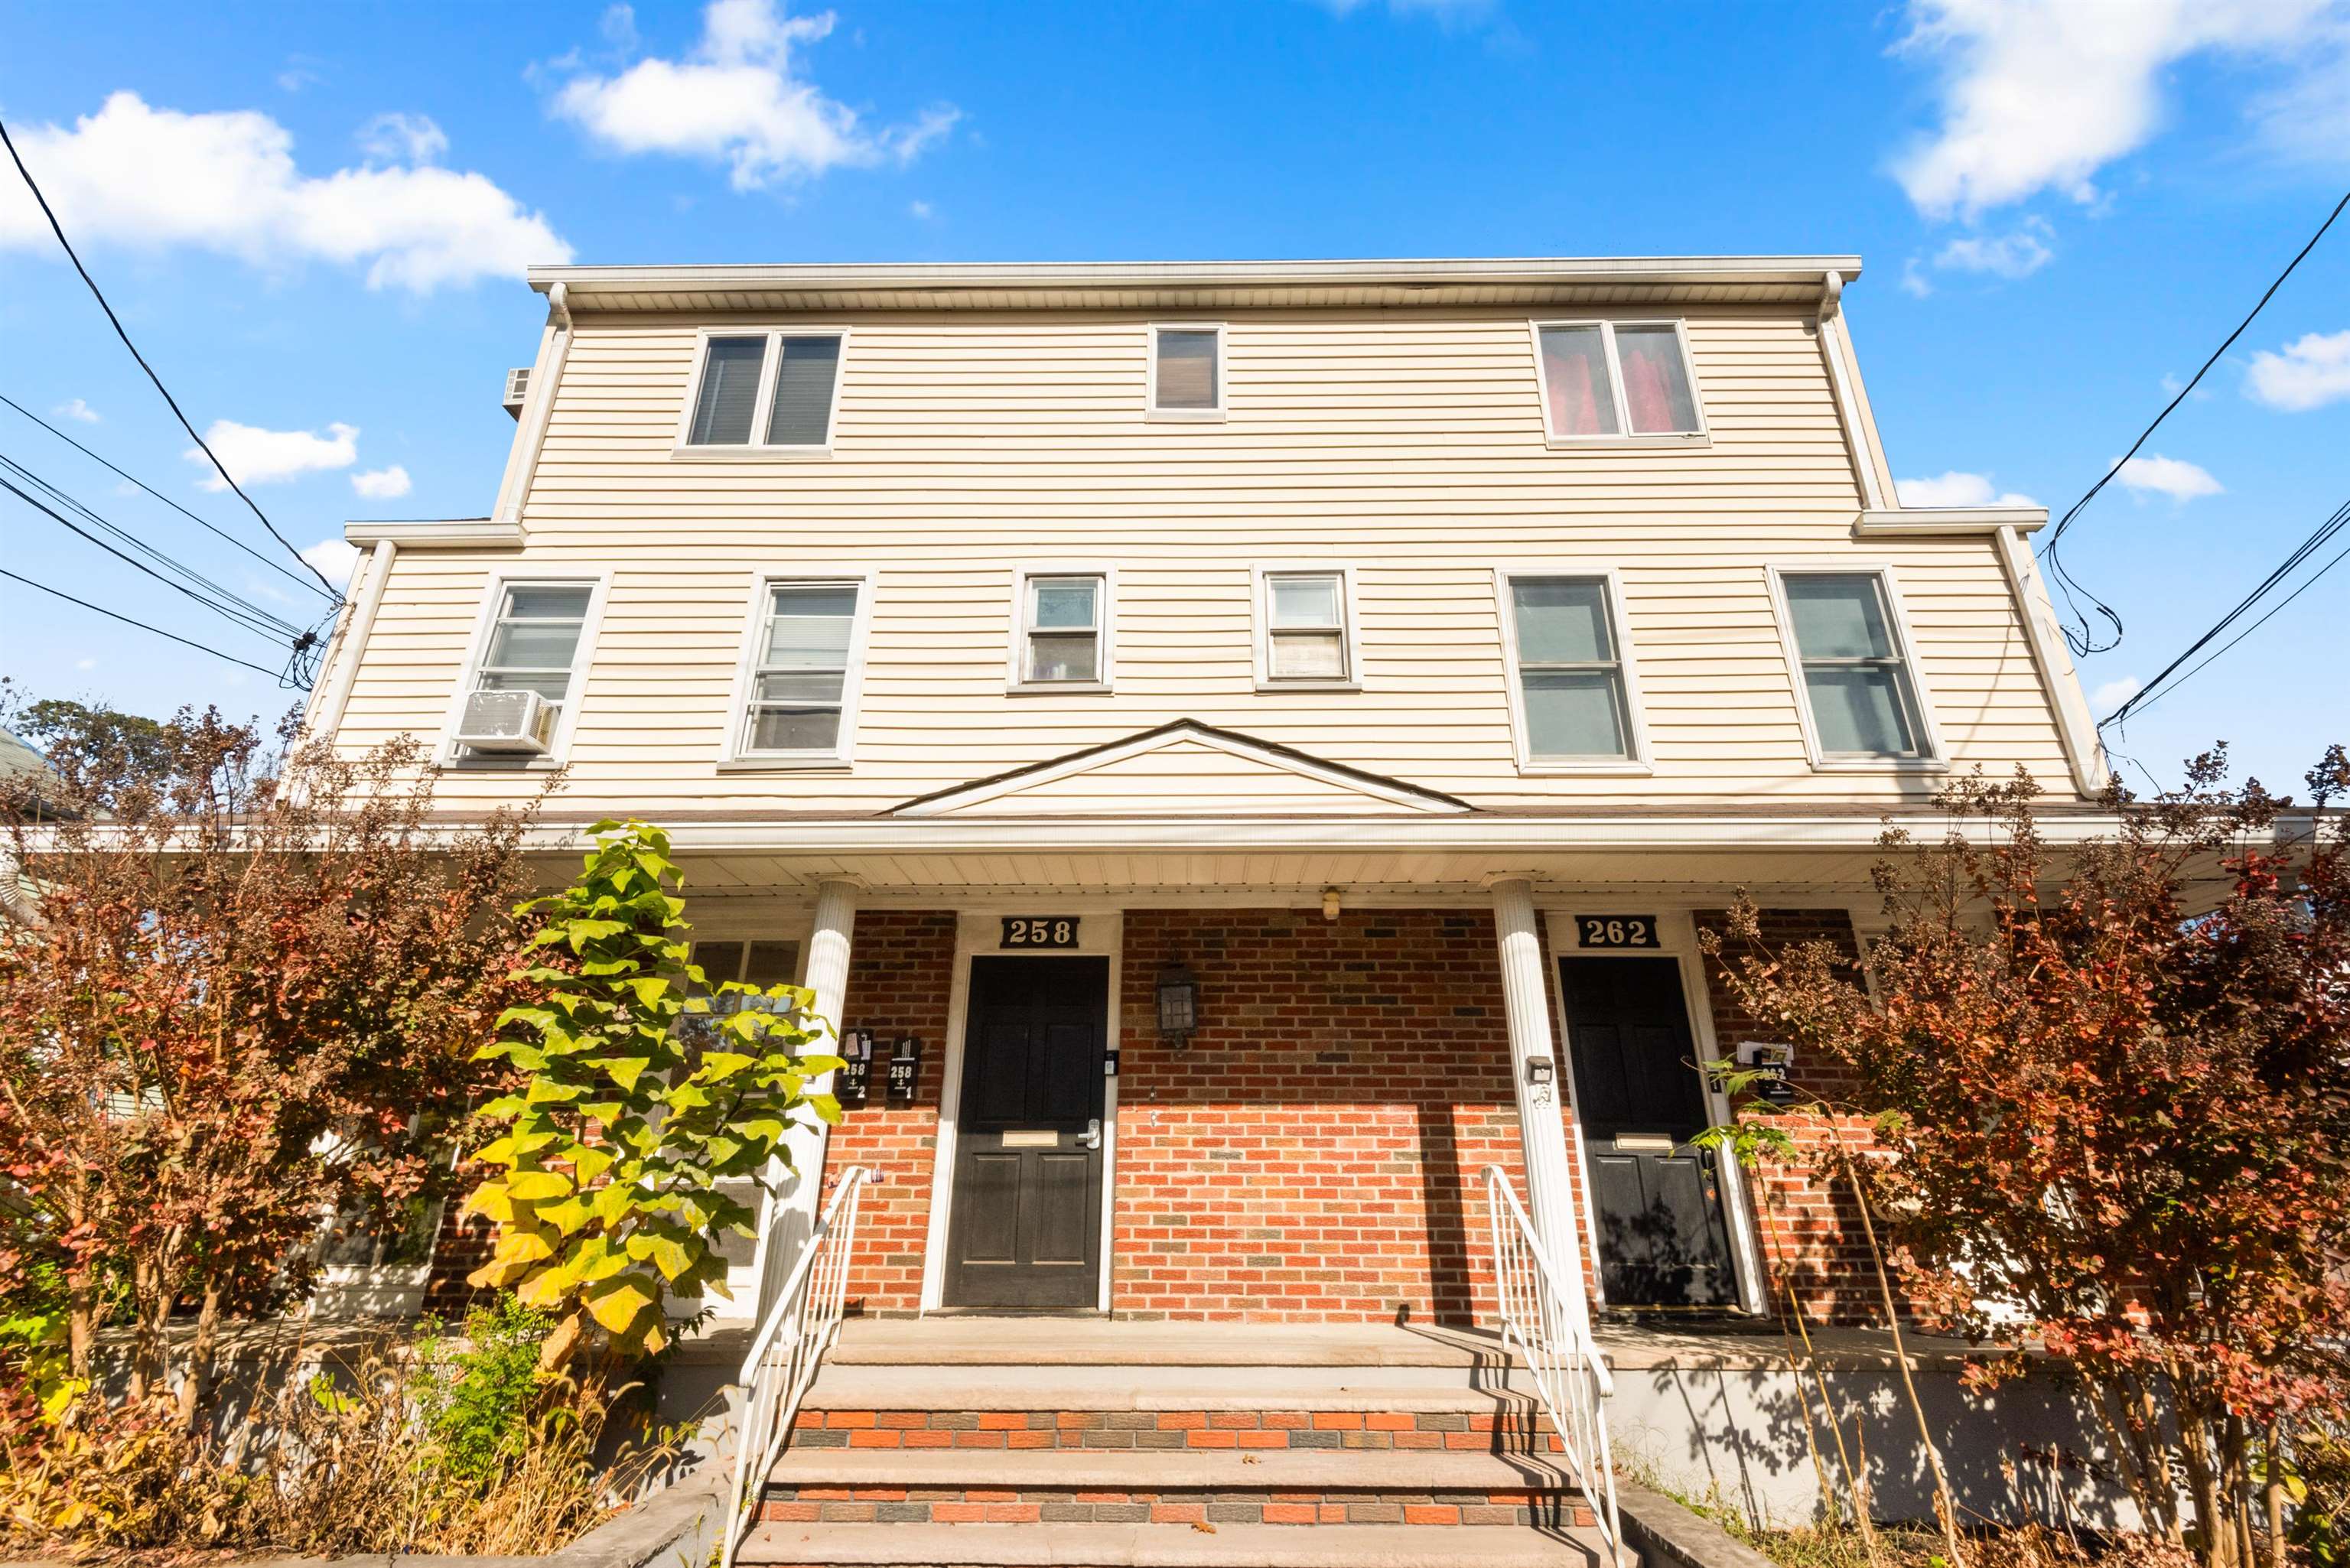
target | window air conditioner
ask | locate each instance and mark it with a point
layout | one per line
(517, 384)
(507, 723)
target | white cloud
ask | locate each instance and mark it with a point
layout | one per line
(2308, 373)
(2172, 476)
(381, 483)
(2017, 255)
(227, 182)
(1956, 489)
(85, 664)
(2112, 694)
(736, 97)
(334, 559)
(1914, 280)
(396, 137)
(2039, 94)
(922, 209)
(257, 456)
(75, 409)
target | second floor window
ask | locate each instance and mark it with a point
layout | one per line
(1615, 378)
(1187, 372)
(765, 390)
(1305, 628)
(1063, 616)
(1570, 671)
(800, 673)
(1858, 686)
(532, 643)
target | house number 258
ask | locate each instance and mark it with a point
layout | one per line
(1040, 931)
(1617, 930)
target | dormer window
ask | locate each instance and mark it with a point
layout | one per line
(1616, 381)
(770, 393)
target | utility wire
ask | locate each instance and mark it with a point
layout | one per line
(2154, 690)
(126, 620)
(262, 620)
(97, 294)
(2085, 642)
(134, 479)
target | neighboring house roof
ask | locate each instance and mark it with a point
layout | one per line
(19, 760)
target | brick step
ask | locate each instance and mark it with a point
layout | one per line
(1473, 1431)
(948, 1341)
(793, 1545)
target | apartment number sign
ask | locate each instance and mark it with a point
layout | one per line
(1040, 931)
(1617, 930)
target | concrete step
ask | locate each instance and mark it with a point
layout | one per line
(1505, 1429)
(1102, 1342)
(1293, 1470)
(850, 1385)
(1169, 1546)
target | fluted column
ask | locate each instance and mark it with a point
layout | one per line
(1542, 1132)
(788, 1216)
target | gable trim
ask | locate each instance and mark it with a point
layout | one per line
(1246, 747)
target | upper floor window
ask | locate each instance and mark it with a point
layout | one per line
(1858, 691)
(1062, 635)
(1611, 380)
(530, 644)
(799, 676)
(771, 391)
(1306, 627)
(1574, 702)
(1187, 371)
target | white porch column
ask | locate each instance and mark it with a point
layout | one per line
(1550, 1187)
(787, 1219)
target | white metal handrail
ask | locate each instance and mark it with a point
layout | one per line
(1551, 1326)
(790, 1344)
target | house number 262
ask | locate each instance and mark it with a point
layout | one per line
(1617, 930)
(1044, 932)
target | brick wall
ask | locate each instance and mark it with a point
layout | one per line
(901, 970)
(1811, 1232)
(1314, 1153)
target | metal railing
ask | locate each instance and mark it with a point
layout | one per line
(789, 1346)
(1548, 1319)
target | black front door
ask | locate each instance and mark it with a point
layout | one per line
(1026, 1229)
(1638, 1097)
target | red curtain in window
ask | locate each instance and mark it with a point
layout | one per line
(1573, 404)
(1650, 400)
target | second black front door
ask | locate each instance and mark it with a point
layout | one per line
(1638, 1099)
(1026, 1226)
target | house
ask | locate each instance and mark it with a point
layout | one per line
(1240, 747)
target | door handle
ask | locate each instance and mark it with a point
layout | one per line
(1091, 1137)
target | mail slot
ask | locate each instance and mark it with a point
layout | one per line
(1643, 1143)
(1031, 1141)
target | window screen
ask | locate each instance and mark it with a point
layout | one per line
(802, 669)
(805, 373)
(1187, 369)
(1305, 626)
(1571, 679)
(1064, 629)
(1862, 703)
(1575, 371)
(535, 639)
(729, 394)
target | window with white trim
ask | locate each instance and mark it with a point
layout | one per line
(1856, 679)
(772, 392)
(1616, 380)
(1569, 662)
(533, 641)
(1308, 638)
(800, 670)
(1187, 371)
(1063, 617)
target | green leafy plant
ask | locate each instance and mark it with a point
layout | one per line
(479, 1404)
(642, 1097)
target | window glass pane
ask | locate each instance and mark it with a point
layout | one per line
(1062, 603)
(533, 645)
(1574, 713)
(1187, 369)
(810, 627)
(819, 689)
(1656, 383)
(720, 961)
(772, 963)
(550, 684)
(1063, 657)
(730, 393)
(1302, 601)
(802, 414)
(1309, 656)
(545, 603)
(1562, 621)
(1861, 710)
(1574, 369)
(1840, 616)
(794, 729)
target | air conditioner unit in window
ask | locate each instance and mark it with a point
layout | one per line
(517, 384)
(511, 724)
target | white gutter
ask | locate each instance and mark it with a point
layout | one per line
(350, 641)
(530, 434)
(1830, 328)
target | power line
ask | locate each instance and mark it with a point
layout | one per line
(141, 625)
(97, 294)
(2085, 642)
(134, 479)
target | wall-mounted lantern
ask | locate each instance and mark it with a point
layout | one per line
(1178, 1006)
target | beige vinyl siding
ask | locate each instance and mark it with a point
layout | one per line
(1408, 445)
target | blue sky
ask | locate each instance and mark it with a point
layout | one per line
(313, 219)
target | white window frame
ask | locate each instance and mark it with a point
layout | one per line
(1701, 437)
(734, 754)
(1150, 409)
(1260, 617)
(681, 446)
(567, 719)
(1015, 667)
(1896, 617)
(1640, 760)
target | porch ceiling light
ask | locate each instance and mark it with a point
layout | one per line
(1178, 1006)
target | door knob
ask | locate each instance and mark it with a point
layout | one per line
(1091, 1137)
